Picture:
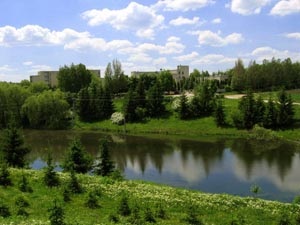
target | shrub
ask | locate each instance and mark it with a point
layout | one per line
(148, 216)
(74, 185)
(284, 219)
(56, 216)
(4, 210)
(113, 218)
(5, 179)
(92, 201)
(297, 200)
(21, 203)
(24, 185)
(117, 118)
(66, 195)
(161, 212)
(124, 209)
(263, 134)
(51, 178)
(192, 217)
(105, 165)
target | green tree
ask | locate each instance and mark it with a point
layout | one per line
(247, 107)
(13, 148)
(5, 179)
(259, 110)
(270, 115)
(105, 165)
(57, 214)
(47, 110)
(155, 101)
(130, 106)
(219, 113)
(83, 105)
(73, 78)
(285, 116)
(166, 80)
(239, 76)
(184, 111)
(77, 159)
(50, 178)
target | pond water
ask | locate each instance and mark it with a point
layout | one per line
(218, 166)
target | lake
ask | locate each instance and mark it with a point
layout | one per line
(215, 166)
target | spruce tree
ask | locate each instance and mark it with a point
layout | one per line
(57, 215)
(13, 147)
(83, 104)
(130, 106)
(184, 109)
(51, 178)
(259, 110)
(285, 109)
(155, 101)
(77, 159)
(105, 165)
(247, 108)
(270, 115)
(219, 113)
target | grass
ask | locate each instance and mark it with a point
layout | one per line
(176, 203)
(171, 125)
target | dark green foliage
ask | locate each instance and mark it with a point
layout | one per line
(74, 78)
(155, 101)
(92, 200)
(135, 217)
(285, 109)
(270, 116)
(297, 200)
(192, 216)
(4, 210)
(284, 219)
(219, 113)
(297, 219)
(116, 175)
(184, 111)
(247, 107)
(24, 185)
(12, 147)
(161, 212)
(113, 218)
(166, 80)
(21, 205)
(148, 215)
(123, 208)
(5, 179)
(130, 106)
(259, 111)
(51, 178)
(83, 104)
(57, 214)
(48, 110)
(74, 185)
(105, 165)
(66, 194)
(77, 159)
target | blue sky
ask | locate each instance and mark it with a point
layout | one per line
(144, 35)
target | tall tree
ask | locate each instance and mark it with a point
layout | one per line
(155, 101)
(238, 79)
(247, 108)
(13, 148)
(219, 113)
(74, 78)
(105, 165)
(286, 113)
(184, 109)
(270, 115)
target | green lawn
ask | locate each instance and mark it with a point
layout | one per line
(144, 199)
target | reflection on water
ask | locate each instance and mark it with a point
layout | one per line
(213, 166)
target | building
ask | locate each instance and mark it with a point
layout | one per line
(50, 77)
(178, 74)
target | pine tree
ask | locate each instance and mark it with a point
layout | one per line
(247, 108)
(219, 113)
(184, 109)
(155, 101)
(83, 105)
(130, 106)
(270, 115)
(51, 178)
(259, 110)
(107, 105)
(285, 109)
(57, 215)
(105, 165)
(77, 160)
(13, 148)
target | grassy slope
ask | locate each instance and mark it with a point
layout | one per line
(211, 208)
(202, 127)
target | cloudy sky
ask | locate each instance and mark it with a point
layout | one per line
(144, 35)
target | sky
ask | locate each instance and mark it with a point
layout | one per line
(144, 35)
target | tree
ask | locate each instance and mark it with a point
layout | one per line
(130, 106)
(285, 109)
(74, 78)
(105, 165)
(83, 105)
(219, 113)
(77, 159)
(259, 110)
(184, 109)
(166, 81)
(51, 178)
(13, 148)
(247, 108)
(47, 110)
(155, 101)
(5, 179)
(239, 78)
(270, 115)
(57, 215)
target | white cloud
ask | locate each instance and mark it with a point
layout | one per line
(184, 21)
(188, 57)
(286, 7)
(27, 63)
(214, 59)
(216, 21)
(35, 68)
(248, 7)
(293, 35)
(34, 35)
(137, 17)
(180, 5)
(162, 61)
(268, 53)
(140, 58)
(208, 37)
(172, 46)
(6, 68)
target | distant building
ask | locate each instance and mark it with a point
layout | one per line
(178, 74)
(50, 77)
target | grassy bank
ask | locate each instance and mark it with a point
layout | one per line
(166, 205)
(203, 127)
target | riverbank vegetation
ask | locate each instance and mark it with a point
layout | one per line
(146, 104)
(103, 200)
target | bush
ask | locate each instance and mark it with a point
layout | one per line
(192, 217)
(21, 203)
(263, 134)
(297, 200)
(117, 118)
(284, 219)
(113, 218)
(24, 185)
(74, 185)
(148, 216)
(4, 210)
(56, 216)
(124, 209)
(5, 179)
(92, 201)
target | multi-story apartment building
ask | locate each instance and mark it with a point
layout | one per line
(50, 77)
